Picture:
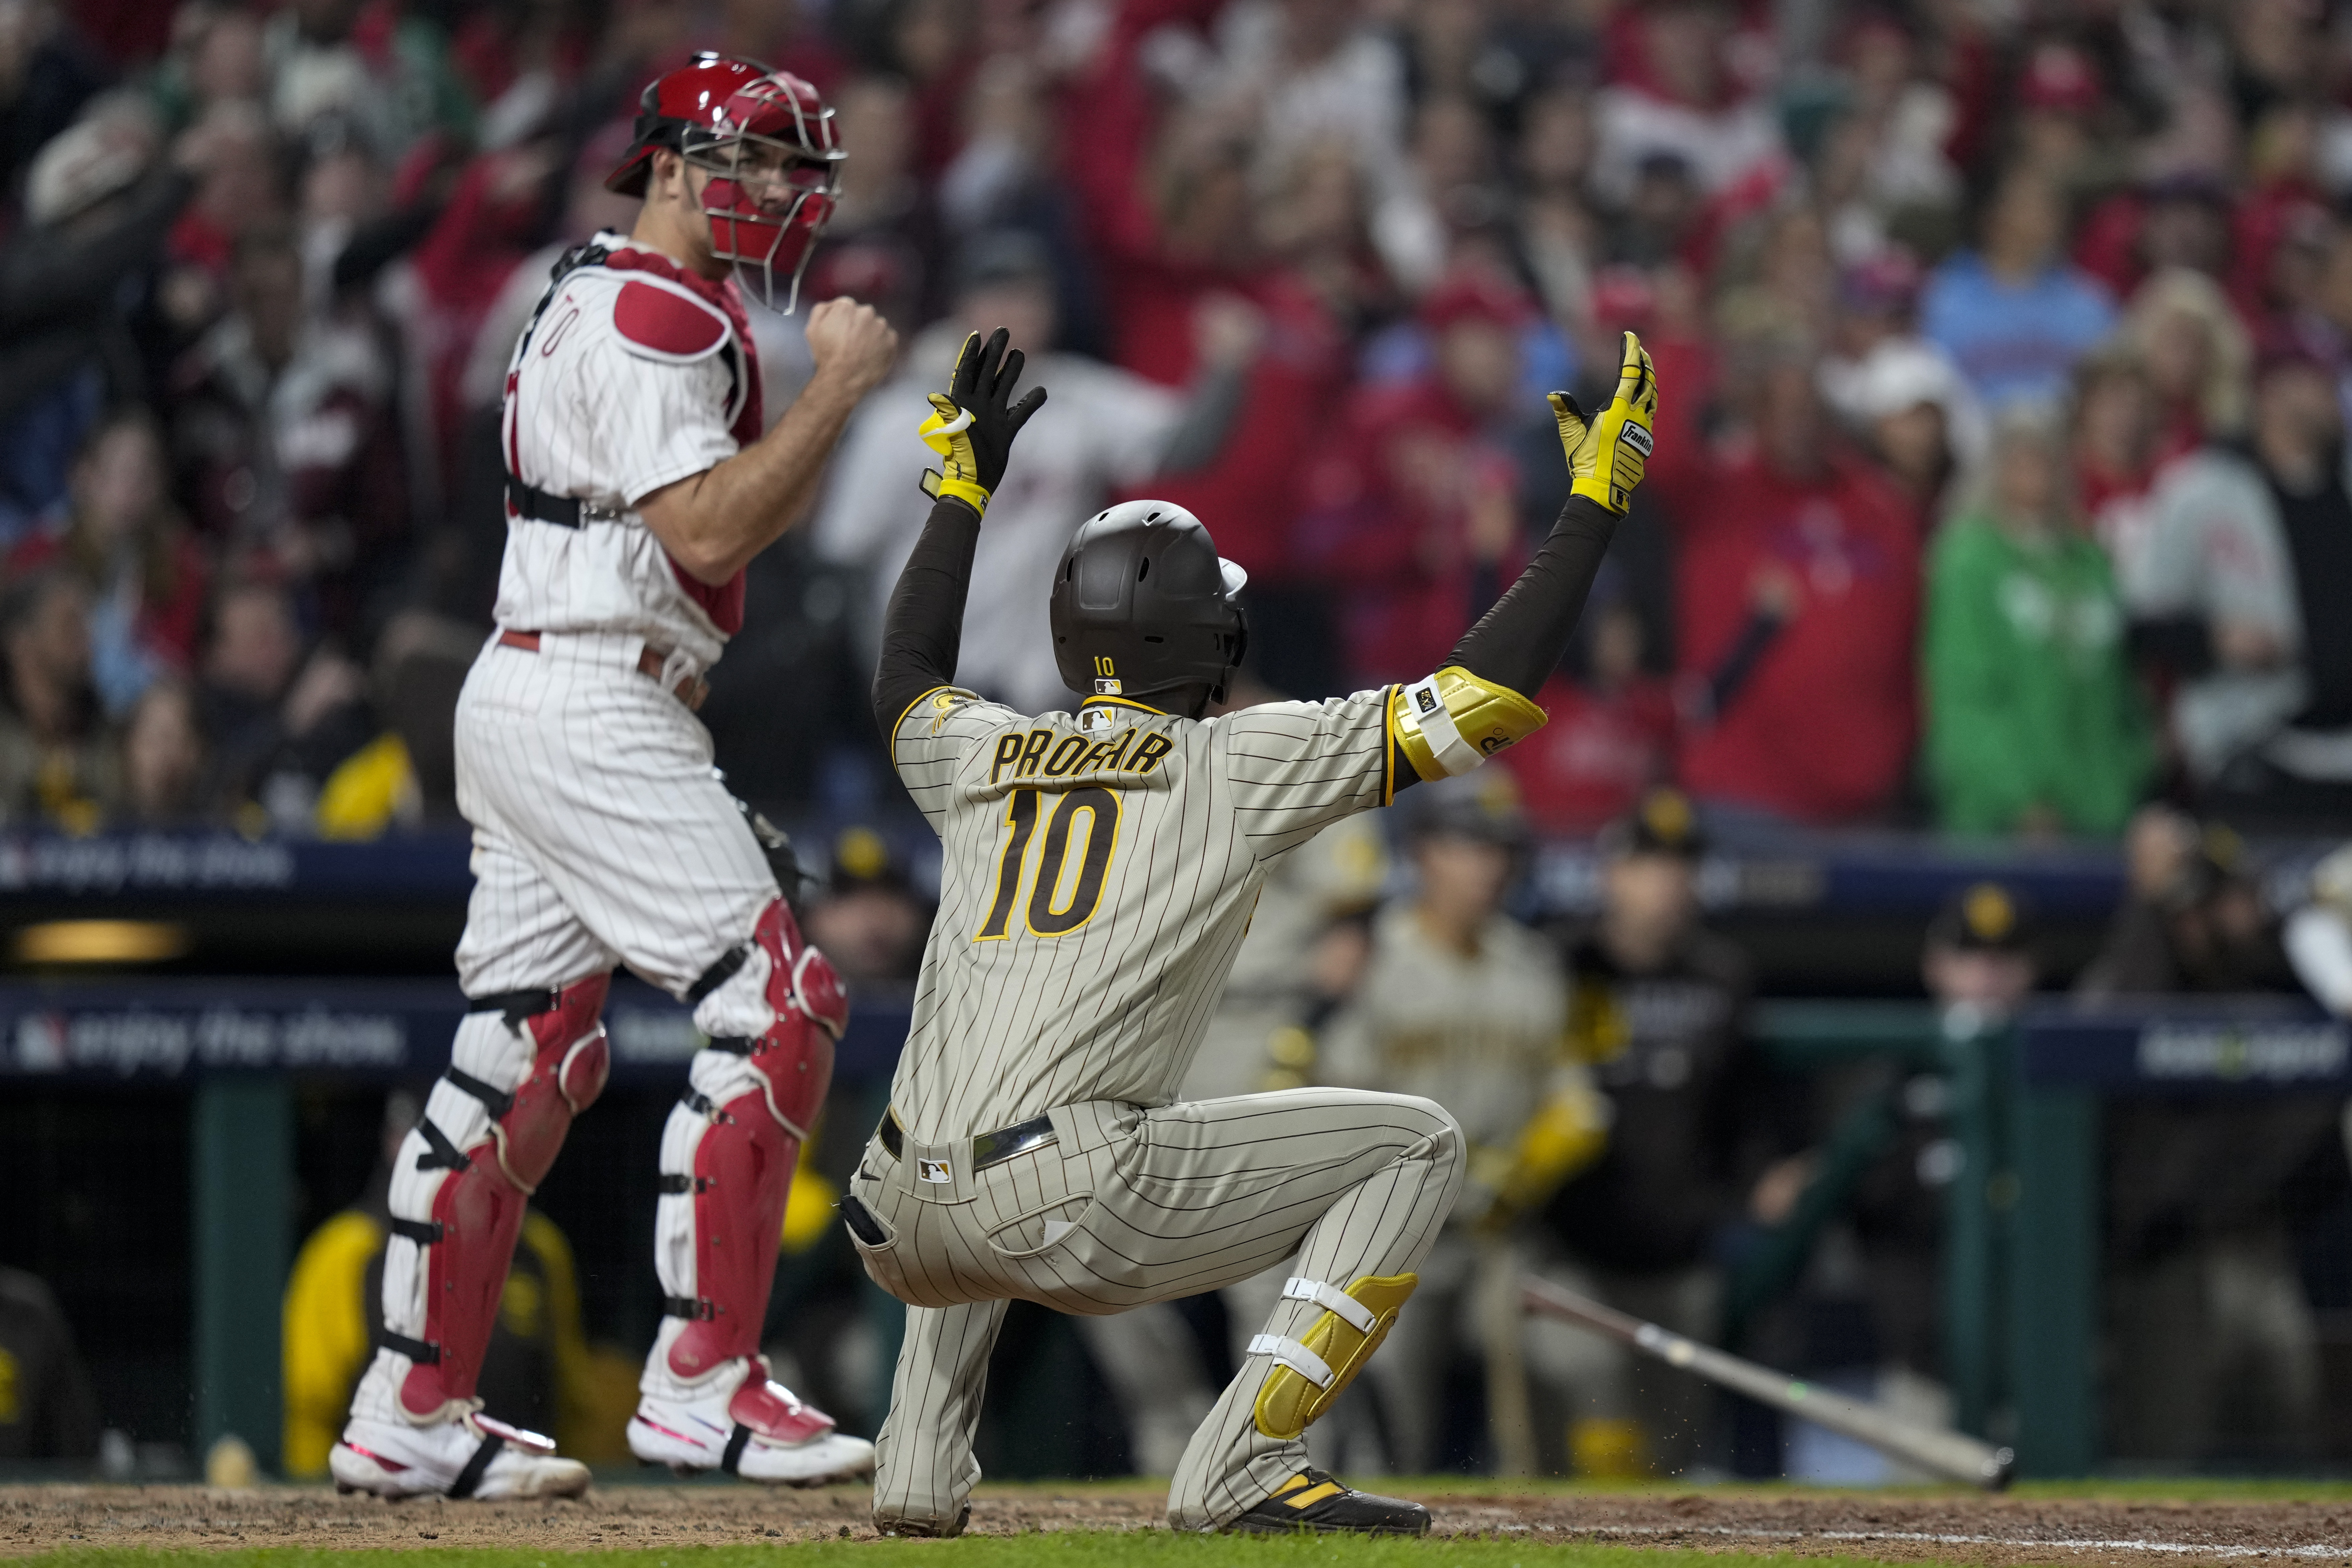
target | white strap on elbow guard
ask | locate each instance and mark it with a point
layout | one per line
(1427, 706)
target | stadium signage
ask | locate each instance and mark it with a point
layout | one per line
(159, 1030)
(2268, 1052)
(2188, 1046)
(125, 1042)
(143, 862)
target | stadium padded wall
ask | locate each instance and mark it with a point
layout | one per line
(243, 1156)
(2053, 1306)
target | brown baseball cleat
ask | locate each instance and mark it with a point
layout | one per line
(1311, 1500)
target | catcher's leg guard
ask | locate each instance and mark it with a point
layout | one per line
(773, 1008)
(1317, 1366)
(522, 1067)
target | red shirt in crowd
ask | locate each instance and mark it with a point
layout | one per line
(1386, 525)
(1598, 752)
(1153, 294)
(1253, 490)
(1821, 729)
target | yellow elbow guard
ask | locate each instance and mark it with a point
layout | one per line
(1452, 721)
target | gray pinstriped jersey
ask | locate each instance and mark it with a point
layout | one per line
(1100, 871)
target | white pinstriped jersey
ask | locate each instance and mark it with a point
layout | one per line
(1099, 872)
(634, 375)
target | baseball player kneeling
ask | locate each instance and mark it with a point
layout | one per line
(1100, 868)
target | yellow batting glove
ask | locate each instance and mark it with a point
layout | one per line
(948, 432)
(1568, 1133)
(1607, 456)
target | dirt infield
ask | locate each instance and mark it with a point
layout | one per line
(1956, 1528)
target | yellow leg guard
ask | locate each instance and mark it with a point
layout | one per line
(1315, 1368)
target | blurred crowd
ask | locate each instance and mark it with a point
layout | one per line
(2005, 346)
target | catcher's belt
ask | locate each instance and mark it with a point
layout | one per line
(692, 690)
(987, 1148)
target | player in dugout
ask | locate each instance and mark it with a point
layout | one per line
(1100, 870)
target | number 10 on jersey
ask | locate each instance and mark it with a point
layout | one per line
(1054, 910)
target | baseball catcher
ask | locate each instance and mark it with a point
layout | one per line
(1100, 868)
(638, 485)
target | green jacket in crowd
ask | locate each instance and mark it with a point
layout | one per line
(2029, 698)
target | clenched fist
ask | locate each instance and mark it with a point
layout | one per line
(852, 344)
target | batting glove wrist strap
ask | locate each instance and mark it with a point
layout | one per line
(1608, 455)
(948, 432)
(973, 424)
(1453, 720)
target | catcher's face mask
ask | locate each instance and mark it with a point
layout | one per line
(773, 167)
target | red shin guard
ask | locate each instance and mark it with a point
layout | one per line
(478, 1210)
(743, 1163)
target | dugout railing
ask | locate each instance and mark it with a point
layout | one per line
(2023, 1245)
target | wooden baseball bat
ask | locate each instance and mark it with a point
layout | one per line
(1955, 1455)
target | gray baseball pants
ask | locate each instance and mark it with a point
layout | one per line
(1129, 1206)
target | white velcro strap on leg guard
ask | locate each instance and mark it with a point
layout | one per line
(1330, 1301)
(1316, 1367)
(1454, 755)
(1295, 1356)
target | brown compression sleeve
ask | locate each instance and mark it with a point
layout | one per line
(922, 631)
(1519, 642)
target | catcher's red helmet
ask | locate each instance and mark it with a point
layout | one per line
(767, 138)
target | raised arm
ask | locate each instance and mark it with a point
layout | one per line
(922, 631)
(1481, 701)
(715, 522)
(972, 427)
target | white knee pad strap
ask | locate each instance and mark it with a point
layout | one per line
(1354, 1311)
(1295, 1356)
